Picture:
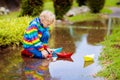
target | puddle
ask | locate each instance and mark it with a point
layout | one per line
(85, 41)
(80, 41)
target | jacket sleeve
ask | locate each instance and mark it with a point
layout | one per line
(34, 38)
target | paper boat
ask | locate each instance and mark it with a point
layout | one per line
(64, 55)
(89, 57)
(57, 50)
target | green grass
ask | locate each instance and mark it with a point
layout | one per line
(90, 16)
(83, 17)
(49, 6)
(106, 11)
(110, 56)
(110, 3)
(75, 4)
(14, 14)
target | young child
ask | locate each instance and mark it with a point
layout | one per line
(36, 36)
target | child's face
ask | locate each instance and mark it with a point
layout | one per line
(45, 23)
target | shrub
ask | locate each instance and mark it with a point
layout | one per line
(81, 2)
(31, 7)
(12, 30)
(95, 5)
(61, 7)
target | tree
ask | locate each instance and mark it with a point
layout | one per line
(81, 2)
(31, 7)
(61, 7)
(95, 5)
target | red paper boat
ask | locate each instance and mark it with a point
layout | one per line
(64, 55)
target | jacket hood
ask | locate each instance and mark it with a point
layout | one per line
(36, 20)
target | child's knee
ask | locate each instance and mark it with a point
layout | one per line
(39, 56)
(36, 53)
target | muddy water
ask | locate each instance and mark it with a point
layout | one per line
(79, 40)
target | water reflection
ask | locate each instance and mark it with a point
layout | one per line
(10, 65)
(36, 69)
(65, 59)
(94, 23)
(88, 63)
(62, 38)
(96, 36)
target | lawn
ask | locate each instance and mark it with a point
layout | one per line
(110, 56)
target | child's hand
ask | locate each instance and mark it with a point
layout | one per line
(49, 50)
(44, 53)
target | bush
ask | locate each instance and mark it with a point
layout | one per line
(95, 5)
(12, 30)
(81, 2)
(61, 7)
(31, 7)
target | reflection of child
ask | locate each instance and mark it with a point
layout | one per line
(36, 69)
(37, 34)
(43, 68)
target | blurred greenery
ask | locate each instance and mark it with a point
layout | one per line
(14, 23)
(110, 56)
(83, 17)
(95, 5)
(62, 7)
(14, 14)
(81, 2)
(46, 7)
(12, 28)
(111, 3)
(31, 7)
(9, 64)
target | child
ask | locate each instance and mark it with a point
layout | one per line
(36, 36)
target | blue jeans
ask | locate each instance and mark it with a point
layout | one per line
(37, 54)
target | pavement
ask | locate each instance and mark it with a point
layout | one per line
(115, 9)
(116, 12)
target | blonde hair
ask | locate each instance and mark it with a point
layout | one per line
(47, 16)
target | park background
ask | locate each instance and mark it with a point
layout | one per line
(13, 24)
